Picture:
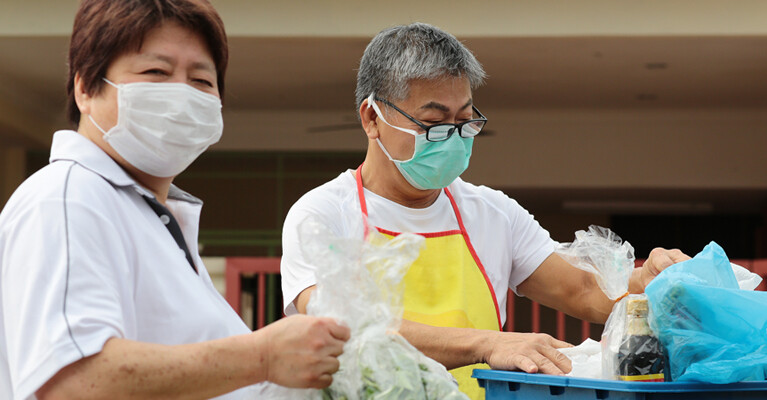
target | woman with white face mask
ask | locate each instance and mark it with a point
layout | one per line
(102, 290)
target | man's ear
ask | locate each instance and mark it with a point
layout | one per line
(369, 120)
(82, 99)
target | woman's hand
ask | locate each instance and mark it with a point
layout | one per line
(303, 351)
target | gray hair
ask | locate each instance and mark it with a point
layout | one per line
(417, 51)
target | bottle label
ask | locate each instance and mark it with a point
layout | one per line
(642, 378)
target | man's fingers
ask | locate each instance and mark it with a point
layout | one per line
(546, 366)
(524, 363)
(661, 259)
(549, 362)
(558, 344)
(561, 362)
(676, 256)
(546, 362)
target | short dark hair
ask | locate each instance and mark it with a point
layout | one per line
(106, 29)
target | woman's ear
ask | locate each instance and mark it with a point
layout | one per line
(82, 99)
(369, 120)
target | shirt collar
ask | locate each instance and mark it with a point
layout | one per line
(72, 146)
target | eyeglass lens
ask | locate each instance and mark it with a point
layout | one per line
(442, 132)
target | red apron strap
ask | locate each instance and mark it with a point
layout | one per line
(475, 256)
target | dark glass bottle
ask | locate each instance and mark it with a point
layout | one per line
(640, 357)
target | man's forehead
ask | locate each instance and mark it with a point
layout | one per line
(437, 105)
(442, 94)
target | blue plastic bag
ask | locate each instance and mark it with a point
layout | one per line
(712, 331)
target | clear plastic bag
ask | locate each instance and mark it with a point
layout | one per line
(602, 253)
(360, 283)
(630, 348)
(713, 330)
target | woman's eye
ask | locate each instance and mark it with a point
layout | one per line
(204, 82)
(155, 72)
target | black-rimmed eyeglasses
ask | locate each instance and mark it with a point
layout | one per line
(440, 132)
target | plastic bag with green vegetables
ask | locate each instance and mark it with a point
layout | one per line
(360, 283)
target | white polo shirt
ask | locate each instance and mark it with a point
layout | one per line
(83, 258)
(508, 240)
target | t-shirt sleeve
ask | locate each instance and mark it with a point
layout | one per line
(530, 244)
(61, 286)
(297, 272)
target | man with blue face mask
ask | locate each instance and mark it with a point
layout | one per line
(414, 97)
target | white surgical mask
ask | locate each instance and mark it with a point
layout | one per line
(163, 127)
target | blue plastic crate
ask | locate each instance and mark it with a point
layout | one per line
(519, 385)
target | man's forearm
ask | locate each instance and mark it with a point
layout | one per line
(452, 347)
(561, 286)
(136, 370)
(457, 347)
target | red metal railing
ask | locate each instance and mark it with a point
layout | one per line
(236, 267)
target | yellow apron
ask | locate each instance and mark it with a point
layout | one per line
(447, 286)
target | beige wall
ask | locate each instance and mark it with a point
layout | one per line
(677, 148)
(486, 18)
(673, 149)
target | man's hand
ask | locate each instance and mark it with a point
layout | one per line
(529, 352)
(658, 260)
(303, 350)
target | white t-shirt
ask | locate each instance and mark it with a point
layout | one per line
(83, 258)
(509, 241)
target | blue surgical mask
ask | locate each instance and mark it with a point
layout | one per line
(434, 165)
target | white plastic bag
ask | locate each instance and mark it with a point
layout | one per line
(586, 359)
(747, 280)
(359, 282)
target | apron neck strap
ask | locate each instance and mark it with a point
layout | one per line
(364, 207)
